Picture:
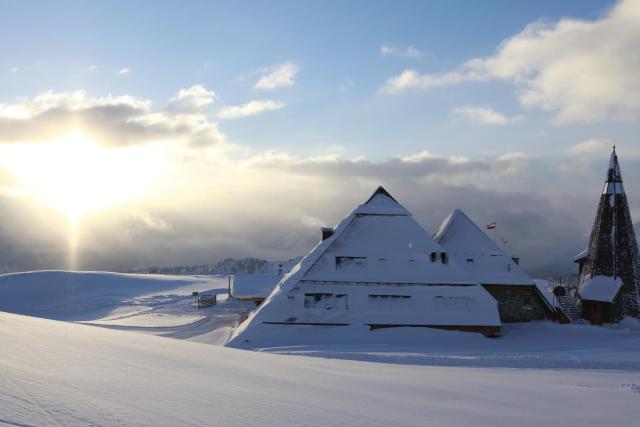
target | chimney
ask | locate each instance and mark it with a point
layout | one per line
(326, 232)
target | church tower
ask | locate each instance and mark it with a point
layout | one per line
(609, 280)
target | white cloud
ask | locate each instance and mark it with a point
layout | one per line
(111, 120)
(411, 79)
(484, 115)
(579, 70)
(410, 52)
(92, 68)
(151, 222)
(250, 108)
(278, 77)
(591, 147)
(194, 98)
(15, 70)
(124, 71)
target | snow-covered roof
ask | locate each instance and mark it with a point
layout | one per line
(600, 288)
(379, 246)
(253, 285)
(381, 203)
(486, 262)
(582, 255)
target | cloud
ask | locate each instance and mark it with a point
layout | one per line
(92, 68)
(584, 155)
(578, 70)
(124, 71)
(278, 77)
(192, 99)
(214, 204)
(411, 79)
(250, 108)
(484, 115)
(151, 222)
(410, 52)
(15, 70)
(420, 166)
(110, 120)
(591, 147)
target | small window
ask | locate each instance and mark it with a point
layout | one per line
(389, 302)
(444, 257)
(433, 256)
(351, 263)
(445, 303)
(325, 301)
(469, 260)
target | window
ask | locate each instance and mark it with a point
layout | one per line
(389, 302)
(469, 260)
(454, 303)
(351, 264)
(433, 256)
(444, 257)
(326, 301)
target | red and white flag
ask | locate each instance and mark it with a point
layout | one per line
(490, 226)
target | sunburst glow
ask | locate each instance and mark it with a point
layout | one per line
(75, 175)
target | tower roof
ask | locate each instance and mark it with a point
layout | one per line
(613, 181)
(612, 252)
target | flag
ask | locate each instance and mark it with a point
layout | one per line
(490, 226)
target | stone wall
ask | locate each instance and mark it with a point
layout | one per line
(519, 303)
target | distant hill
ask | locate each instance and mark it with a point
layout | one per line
(225, 267)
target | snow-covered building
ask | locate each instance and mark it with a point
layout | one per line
(519, 299)
(253, 287)
(609, 272)
(257, 287)
(377, 268)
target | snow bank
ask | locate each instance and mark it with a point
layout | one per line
(56, 373)
(83, 296)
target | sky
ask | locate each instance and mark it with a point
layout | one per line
(163, 133)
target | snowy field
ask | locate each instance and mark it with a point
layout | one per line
(96, 367)
(154, 304)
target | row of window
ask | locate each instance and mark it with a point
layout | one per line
(329, 301)
(359, 264)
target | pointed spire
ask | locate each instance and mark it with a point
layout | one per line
(613, 182)
(381, 203)
(380, 191)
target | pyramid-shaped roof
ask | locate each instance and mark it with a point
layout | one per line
(380, 245)
(397, 248)
(487, 263)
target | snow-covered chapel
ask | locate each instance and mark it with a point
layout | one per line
(378, 268)
(609, 269)
(519, 299)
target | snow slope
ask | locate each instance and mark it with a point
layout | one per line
(156, 304)
(57, 373)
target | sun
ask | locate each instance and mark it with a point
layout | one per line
(75, 175)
